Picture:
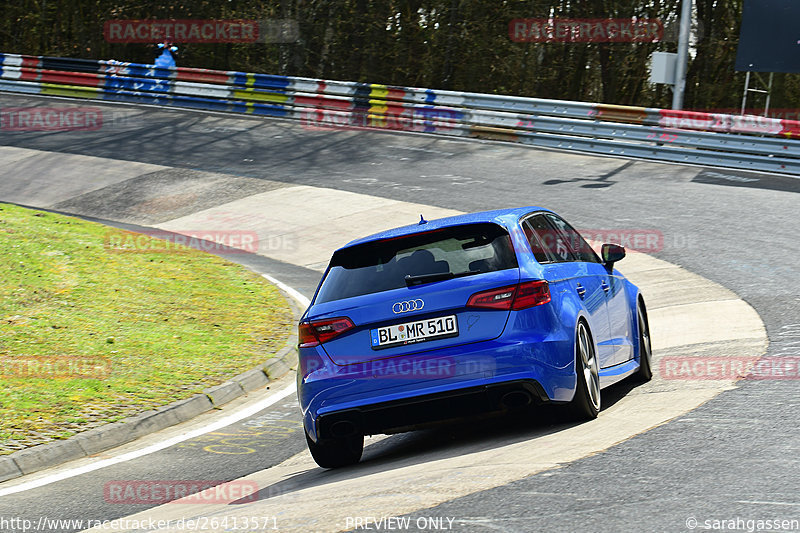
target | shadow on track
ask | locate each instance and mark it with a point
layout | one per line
(442, 442)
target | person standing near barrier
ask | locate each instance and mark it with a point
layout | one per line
(165, 59)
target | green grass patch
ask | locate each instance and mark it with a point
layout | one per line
(90, 334)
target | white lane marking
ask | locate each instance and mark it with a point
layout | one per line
(793, 504)
(305, 302)
(221, 423)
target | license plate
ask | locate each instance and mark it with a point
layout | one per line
(414, 332)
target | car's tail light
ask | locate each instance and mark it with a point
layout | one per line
(531, 294)
(512, 297)
(501, 298)
(319, 332)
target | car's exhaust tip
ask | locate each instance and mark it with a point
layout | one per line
(515, 399)
(343, 428)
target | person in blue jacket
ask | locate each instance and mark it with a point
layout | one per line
(166, 59)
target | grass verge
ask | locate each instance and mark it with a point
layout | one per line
(90, 334)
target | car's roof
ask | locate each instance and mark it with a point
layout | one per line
(504, 217)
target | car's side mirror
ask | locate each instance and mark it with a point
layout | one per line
(611, 254)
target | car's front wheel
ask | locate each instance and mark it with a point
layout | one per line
(338, 452)
(586, 403)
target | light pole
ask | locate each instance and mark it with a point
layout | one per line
(683, 55)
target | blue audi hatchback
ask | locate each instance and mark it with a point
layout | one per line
(465, 315)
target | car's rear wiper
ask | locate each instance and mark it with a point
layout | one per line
(440, 276)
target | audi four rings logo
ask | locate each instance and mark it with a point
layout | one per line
(405, 307)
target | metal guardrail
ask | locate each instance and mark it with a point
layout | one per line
(741, 142)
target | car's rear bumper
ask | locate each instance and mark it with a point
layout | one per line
(406, 392)
(410, 413)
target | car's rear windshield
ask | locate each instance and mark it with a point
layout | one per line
(430, 256)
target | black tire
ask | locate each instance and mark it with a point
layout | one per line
(335, 453)
(645, 372)
(586, 403)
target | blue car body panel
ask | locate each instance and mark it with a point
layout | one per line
(533, 348)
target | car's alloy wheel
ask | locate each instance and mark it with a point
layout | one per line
(335, 453)
(586, 403)
(645, 372)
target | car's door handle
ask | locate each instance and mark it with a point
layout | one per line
(581, 290)
(605, 285)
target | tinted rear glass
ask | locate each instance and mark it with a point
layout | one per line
(383, 265)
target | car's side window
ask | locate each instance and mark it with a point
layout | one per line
(576, 243)
(539, 253)
(552, 242)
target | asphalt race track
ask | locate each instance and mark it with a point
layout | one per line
(735, 457)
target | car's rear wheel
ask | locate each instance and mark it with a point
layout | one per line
(338, 452)
(586, 403)
(645, 372)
